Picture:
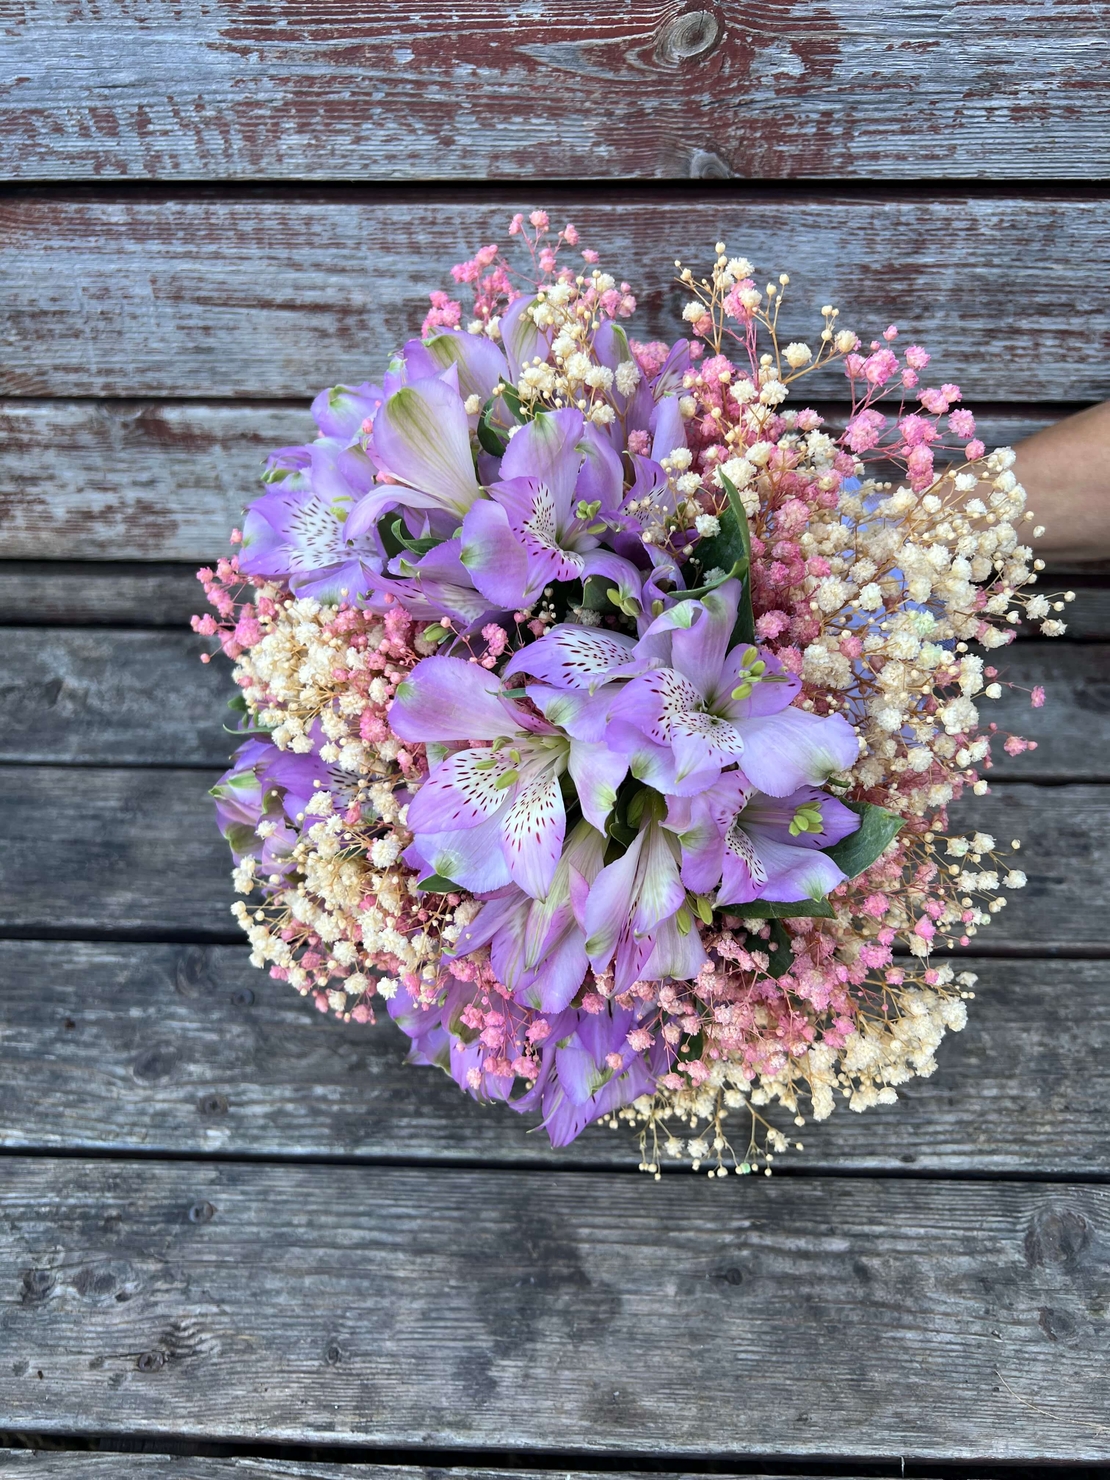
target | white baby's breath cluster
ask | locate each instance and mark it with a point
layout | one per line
(313, 671)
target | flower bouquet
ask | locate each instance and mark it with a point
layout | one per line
(601, 714)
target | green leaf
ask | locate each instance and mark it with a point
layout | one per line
(437, 884)
(406, 542)
(239, 702)
(738, 571)
(859, 850)
(595, 594)
(241, 837)
(732, 546)
(774, 909)
(490, 440)
(781, 959)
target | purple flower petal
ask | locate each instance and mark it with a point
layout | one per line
(545, 449)
(792, 749)
(448, 699)
(462, 791)
(481, 365)
(609, 903)
(597, 772)
(473, 858)
(674, 955)
(654, 701)
(574, 657)
(422, 437)
(494, 558)
(532, 831)
(601, 477)
(794, 873)
(522, 340)
(341, 410)
(743, 873)
(773, 816)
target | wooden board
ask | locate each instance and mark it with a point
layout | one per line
(144, 698)
(513, 1309)
(76, 1466)
(134, 853)
(323, 91)
(112, 853)
(108, 593)
(90, 481)
(86, 481)
(133, 698)
(45, 1465)
(188, 1050)
(280, 293)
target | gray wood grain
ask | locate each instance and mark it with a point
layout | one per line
(88, 481)
(223, 91)
(211, 296)
(133, 698)
(76, 1466)
(144, 698)
(134, 852)
(189, 1050)
(597, 1313)
(115, 852)
(72, 593)
(91, 481)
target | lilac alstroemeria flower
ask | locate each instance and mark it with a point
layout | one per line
(635, 916)
(435, 586)
(538, 946)
(340, 411)
(538, 525)
(264, 782)
(421, 443)
(713, 706)
(744, 845)
(583, 1080)
(298, 532)
(492, 815)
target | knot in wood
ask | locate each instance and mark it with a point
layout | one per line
(37, 1285)
(705, 165)
(1056, 1235)
(155, 1063)
(687, 38)
(152, 1361)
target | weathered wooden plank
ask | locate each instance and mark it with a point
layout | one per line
(144, 698)
(111, 852)
(330, 91)
(170, 1049)
(75, 1466)
(147, 481)
(125, 852)
(598, 1314)
(89, 481)
(132, 698)
(210, 296)
(1072, 731)
(73, 593)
